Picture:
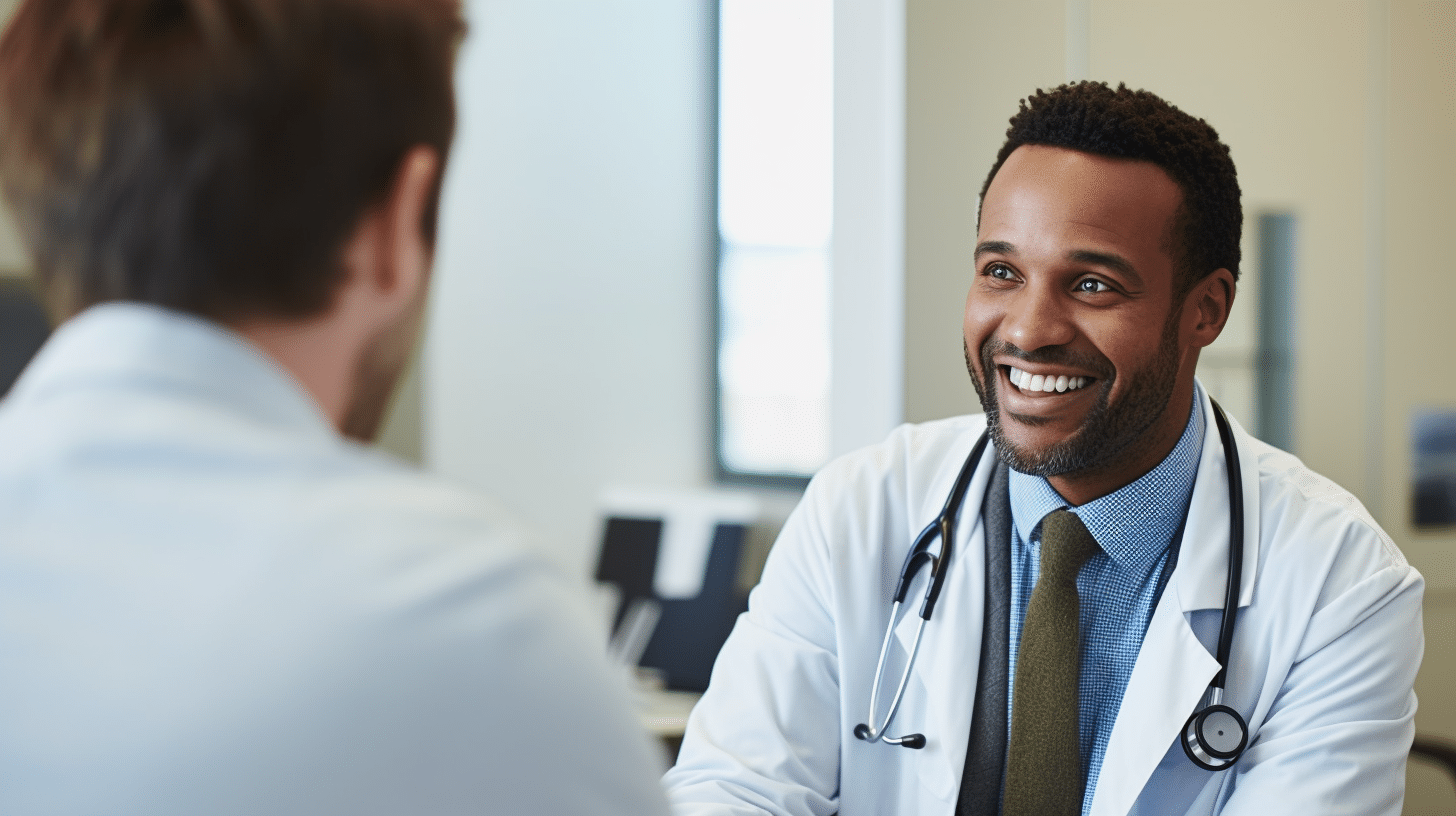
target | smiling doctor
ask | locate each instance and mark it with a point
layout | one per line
(1134, 606)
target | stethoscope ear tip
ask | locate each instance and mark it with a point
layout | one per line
(862, 731)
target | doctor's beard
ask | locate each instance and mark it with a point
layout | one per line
(1108, 428)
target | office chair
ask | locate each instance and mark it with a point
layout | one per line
(1437, 752)
(23, 328)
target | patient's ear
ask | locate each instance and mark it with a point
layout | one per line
(411, 196)
(388, 255)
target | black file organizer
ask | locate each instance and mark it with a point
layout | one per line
(691, 630)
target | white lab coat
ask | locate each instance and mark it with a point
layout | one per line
(1328, 643)
(211, 604)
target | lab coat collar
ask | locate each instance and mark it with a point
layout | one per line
(1202, 573)
(141, 347)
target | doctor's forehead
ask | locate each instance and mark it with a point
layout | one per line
(1046, 199)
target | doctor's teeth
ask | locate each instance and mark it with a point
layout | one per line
(1046, 383)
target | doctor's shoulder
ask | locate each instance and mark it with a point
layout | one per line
(910, 455)
(1301, 508)
(882, 494)
(1316, 539)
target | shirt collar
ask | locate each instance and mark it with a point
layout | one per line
(1134, 523)
(139, 346)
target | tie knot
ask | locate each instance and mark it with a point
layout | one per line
(1065, 545)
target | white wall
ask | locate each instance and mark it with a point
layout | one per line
(867, 281)
(569, 340)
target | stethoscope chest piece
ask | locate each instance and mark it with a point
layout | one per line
(1214, 737)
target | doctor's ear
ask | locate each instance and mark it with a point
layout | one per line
(1206, 307)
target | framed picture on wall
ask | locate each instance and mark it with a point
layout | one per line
(1433, 459)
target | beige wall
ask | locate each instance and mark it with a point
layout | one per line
(1420, 217)
(13, 260)
(1418, 339)
(1343, 111)
(12, 255)
(967, 65)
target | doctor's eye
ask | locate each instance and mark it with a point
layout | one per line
(999, 272)
(1092, 286)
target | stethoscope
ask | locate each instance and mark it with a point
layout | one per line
(1214, 737)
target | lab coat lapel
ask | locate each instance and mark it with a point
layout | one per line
(939, 699)
(1172, 672)
(1174, 668)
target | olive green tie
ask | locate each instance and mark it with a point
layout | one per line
(1044, 760)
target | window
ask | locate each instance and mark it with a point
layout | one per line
(775, 220)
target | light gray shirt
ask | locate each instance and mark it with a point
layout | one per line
(210, 603)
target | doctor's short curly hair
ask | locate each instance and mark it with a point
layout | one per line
(1092, 117)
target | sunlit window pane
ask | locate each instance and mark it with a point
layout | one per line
(775, 215)
(774, 360)
(775, 127)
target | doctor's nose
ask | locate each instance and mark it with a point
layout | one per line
(1036, 318)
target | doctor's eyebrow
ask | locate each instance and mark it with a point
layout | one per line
(995, 247)
(1116, 263)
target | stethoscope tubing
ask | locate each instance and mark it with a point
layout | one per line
(1236, 547)
(944, 528)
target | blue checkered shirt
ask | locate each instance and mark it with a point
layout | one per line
(1118, 586)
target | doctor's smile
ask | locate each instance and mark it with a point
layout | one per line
(1044, 388)
(1048, 385)
(1032, 384)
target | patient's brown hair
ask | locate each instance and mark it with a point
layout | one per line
(211, 156)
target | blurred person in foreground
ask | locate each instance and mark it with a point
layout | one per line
(213, 598)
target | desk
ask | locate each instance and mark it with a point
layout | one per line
(665, 715)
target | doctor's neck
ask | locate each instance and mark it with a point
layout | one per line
(1142, 452)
